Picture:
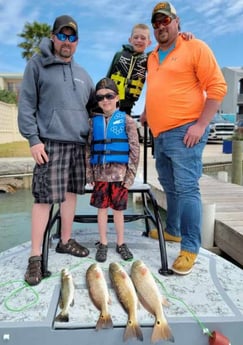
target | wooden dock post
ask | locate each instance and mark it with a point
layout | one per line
(237, 148)
(208, 223)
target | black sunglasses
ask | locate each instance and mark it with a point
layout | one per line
(108, 96)
(62, 37)
(166, 20)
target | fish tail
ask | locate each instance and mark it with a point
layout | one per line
(104, 321)
(62, 317)
(162, 331)
(132, 330)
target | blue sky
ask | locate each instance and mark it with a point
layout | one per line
(104, 25)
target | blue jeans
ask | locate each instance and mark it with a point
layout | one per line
(179, 169)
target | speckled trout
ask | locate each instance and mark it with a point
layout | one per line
(127, 296)
(66, 295)
(99, 294)
(152, 300)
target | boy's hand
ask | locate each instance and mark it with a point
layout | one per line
(187, 35)
(125, 185)
(143, 118)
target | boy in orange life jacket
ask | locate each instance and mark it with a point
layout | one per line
(111, 164)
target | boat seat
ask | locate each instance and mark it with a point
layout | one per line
(150, 214)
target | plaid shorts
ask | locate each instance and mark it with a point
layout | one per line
(65, 172)
(109, 194)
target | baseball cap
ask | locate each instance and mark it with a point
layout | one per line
(62, 21)
(106, 83)
(164, 8)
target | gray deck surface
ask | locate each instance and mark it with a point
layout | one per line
(210, 297)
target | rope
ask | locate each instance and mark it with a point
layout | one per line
(25, 286)
(200, 323)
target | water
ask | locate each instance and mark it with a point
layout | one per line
(15, 217)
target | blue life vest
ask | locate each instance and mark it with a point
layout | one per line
(110, 141)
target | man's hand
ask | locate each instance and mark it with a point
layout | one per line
(143, 118)
(39, 154)
(193, 135)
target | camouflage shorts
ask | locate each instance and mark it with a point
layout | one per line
(109, 194)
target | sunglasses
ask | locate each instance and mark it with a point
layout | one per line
(62, 37)
(108, 96)
(163, 21)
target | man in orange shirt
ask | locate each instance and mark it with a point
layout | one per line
(185, 88)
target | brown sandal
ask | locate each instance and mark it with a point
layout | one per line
(73, 248)
(124, 252)
(33, 273)
(101, 254)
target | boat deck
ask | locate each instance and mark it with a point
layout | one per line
(211, 297)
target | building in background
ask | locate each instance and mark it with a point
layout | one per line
(11, 81)
(233, 101)
(9, 131)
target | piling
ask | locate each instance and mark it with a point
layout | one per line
(237, 148)
(208, 222)
(223, 176)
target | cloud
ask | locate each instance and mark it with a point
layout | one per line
(216, 17)
(105, 24)
(12, 19)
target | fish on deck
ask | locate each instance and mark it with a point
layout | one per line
(99, 294)
(150, 297)
(66, 295)
(127, 296)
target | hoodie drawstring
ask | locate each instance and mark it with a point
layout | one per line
(71, 72)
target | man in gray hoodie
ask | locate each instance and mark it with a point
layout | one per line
(53, 116)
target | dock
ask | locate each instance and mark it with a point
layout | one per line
(227, 198)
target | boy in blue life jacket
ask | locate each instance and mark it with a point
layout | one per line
(111, 164)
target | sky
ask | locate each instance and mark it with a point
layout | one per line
(105, 25)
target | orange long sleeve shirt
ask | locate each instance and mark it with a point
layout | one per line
(177, 88)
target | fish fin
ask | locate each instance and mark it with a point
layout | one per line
(132, 330)
(109, 300)
(61, 302)
(104, 321)
(62, 317)
(161, 331)
(165, 302)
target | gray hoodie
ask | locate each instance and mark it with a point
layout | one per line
(53, 99)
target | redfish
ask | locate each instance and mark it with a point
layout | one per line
(127, 296)
(150, 297)
(99, 294)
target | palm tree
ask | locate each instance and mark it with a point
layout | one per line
(33, 33)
